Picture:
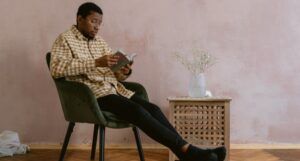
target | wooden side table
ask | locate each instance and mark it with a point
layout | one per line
(203, 122)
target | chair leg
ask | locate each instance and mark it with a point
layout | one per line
(138, 143)
(94, 141)
(66, 141)
(101, 143)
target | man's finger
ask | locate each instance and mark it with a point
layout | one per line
(113, 61)
(116, 56)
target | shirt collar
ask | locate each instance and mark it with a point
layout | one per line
(79, 35)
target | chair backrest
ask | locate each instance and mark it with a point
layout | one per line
(78, 102)
(48, 57)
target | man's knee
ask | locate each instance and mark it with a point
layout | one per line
(137, 113)
(155, 108)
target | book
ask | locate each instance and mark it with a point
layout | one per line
(123, 60)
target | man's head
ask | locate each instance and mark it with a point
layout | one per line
(89, 18)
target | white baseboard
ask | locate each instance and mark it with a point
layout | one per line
(157, 146)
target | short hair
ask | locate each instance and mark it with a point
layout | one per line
(86, 8)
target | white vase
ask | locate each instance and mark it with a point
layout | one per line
(197, 86)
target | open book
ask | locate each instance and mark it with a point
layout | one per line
(123, 60)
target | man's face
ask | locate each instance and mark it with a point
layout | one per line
(89, 26)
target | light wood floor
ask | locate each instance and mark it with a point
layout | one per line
(153, 155)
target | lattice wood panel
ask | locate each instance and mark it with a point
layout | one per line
(202, 123)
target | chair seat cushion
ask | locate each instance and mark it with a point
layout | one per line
(113, 121)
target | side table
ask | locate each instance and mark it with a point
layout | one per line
(203, 122)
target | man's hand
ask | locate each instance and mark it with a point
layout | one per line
(106, 61)
(126, 69)
(123, 73)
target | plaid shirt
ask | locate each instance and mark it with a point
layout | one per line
(73, 57)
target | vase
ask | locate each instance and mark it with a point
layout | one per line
(197, 86)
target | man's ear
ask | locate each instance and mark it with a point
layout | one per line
(79, 19)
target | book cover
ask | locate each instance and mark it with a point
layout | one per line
(122, 61)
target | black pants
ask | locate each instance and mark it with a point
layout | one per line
(146, 116)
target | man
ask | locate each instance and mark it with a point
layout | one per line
(79, 55)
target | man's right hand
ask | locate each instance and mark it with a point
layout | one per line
(106, 61)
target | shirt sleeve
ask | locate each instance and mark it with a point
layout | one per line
(62, 62)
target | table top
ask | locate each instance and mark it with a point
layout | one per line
(187, 98)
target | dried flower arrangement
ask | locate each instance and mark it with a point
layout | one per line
(199, 62)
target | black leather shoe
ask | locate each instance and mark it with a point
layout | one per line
(221, 153)
(212, 157)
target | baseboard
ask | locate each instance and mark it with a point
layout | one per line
(265, 146)
(157, 146)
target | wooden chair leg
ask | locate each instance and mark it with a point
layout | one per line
(138, 143)
(66, 141)
(102, 143)
(94, 141)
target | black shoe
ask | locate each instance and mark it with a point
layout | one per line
(197, 154)
(211, 157)
(221, 153)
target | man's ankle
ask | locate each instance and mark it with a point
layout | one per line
(185, 148)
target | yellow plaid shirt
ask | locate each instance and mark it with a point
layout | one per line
(73, 57)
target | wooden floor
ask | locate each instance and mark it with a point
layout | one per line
(153, 155)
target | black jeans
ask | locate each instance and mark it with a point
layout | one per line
(146, 116)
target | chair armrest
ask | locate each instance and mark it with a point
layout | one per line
(78, 102)
(139, 89)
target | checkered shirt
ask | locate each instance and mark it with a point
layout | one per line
(73, 57)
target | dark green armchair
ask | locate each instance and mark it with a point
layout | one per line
(80, 106)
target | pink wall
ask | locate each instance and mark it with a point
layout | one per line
(255, 41)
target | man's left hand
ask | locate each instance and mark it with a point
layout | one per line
(126, 69)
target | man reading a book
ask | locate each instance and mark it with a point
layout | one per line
(79, 55)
